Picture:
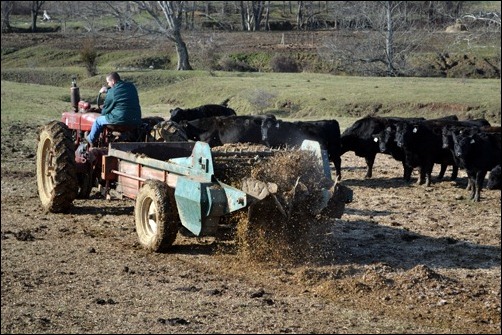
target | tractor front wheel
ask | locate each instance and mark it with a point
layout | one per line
(56, 168)
(156, 220)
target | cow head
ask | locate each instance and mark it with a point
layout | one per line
(267, 123)
(176, 114)
(462, 144)
(385, 138)
(446, 139)
(401, 129)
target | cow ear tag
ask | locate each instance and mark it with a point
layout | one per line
(472, 141)
(415, 130)
(375, 139)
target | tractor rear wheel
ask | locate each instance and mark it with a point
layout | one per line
(56, 168)
(156, 219)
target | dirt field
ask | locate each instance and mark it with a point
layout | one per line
(402, 259)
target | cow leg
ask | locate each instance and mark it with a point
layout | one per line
(442, 171)
(427, 179)
(338, 167)
(472, 190)
(421, 176)
(470, 182)
(454, 172)
(480, 178)
(370, 160)
(428, 174)
(407, 172)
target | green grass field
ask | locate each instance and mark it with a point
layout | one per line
(37, 70)
(288, 96)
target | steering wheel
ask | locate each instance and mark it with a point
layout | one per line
(97, 101)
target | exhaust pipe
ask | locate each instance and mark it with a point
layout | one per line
(75, 94)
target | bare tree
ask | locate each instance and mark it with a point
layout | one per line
(243, 15)
(64, 11)
(190, 15)
(307, 17)
(167, 16)
(384, 49)
(252, 14)
(299, 15)
(491, 19)
(7, 7)
(267, 15)
(92, 12)
(35, 7)
(389, 8)
(122, 12)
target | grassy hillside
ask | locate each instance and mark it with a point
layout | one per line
(289, 96)
(36, 72)
(422, 51)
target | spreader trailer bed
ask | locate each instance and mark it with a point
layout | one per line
(179, 184)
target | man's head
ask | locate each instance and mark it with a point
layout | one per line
(112, 78)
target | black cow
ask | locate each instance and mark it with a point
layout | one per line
(423, 146)
(478, 152)
(360, 138)
(220, 130)
(279, 133)
(387, 144)
(179, 114)
(458, 126)
(494, 182)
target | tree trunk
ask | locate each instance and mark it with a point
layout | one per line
(34, 16)
(267, 16)
(35, 7)
(257, 13)
(182, 51)
(7, 7)
(173, 15)
(299, 16)
(243, 16)
(389, 39)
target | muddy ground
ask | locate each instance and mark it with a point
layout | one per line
(402, 259)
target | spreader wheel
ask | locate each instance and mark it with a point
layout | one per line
(56, 168)
(156, 220)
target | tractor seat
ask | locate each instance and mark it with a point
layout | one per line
(120, 127)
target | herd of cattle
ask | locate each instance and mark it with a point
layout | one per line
(472, 145)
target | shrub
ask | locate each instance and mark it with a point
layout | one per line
(230, 64)
(282, 63)
(260, 99)
(146, 62)
(208, 54)
(89, 55)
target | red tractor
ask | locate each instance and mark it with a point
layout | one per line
(67, 167)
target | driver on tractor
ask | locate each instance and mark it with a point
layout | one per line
(121, 107)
